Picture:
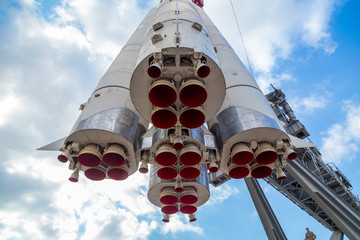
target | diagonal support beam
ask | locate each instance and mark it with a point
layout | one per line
(267, 216)
(345, 217)
(337, 235)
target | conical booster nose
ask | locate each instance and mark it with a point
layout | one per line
(193, 93)
(162, 93)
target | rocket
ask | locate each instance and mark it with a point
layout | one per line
(177, 100)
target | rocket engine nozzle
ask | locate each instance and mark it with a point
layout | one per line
(166, 155)
(190, 155)
(114, 155)
(179, 186)
(189, 196)
(265, 154)
(166, 218)
(192, 217)
(162, 93)
(90, 156)
(238, 172)
(189, 173)
(192, 117)
(200, 3)
(193, 93)
(169, 209)
(188, 209)
(178, 143)
(163, 117)
(64, 156)
(167, 173)
(168, 196)
(280, 175)
(154, 70)
(213, 166)
(144, 167)
(290, 154)
(95, 173)
(118, 173)
(242, 154)
(202, 70)
(260, 171)
(74, 176)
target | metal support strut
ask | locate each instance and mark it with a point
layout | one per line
(267, 216)
(343, 215)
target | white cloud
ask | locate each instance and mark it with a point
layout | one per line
(179, 223)
(220, 194)
(265, 79)
(316, 28)
(107, 24)
(341, 140)
(254, 214)
(9, 105)
(307, 104)
(103, 220)
(273, 31)
(106, 209)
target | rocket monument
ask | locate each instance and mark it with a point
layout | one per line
(177, 103)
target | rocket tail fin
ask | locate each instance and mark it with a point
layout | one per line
(299, 143)
(54, 146)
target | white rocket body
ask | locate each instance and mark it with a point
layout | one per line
(177, 71)
(109, 116)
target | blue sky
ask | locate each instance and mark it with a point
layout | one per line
(52, 53)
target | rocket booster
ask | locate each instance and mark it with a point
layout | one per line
(251, 136)
(178, 72)
(103, 141)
